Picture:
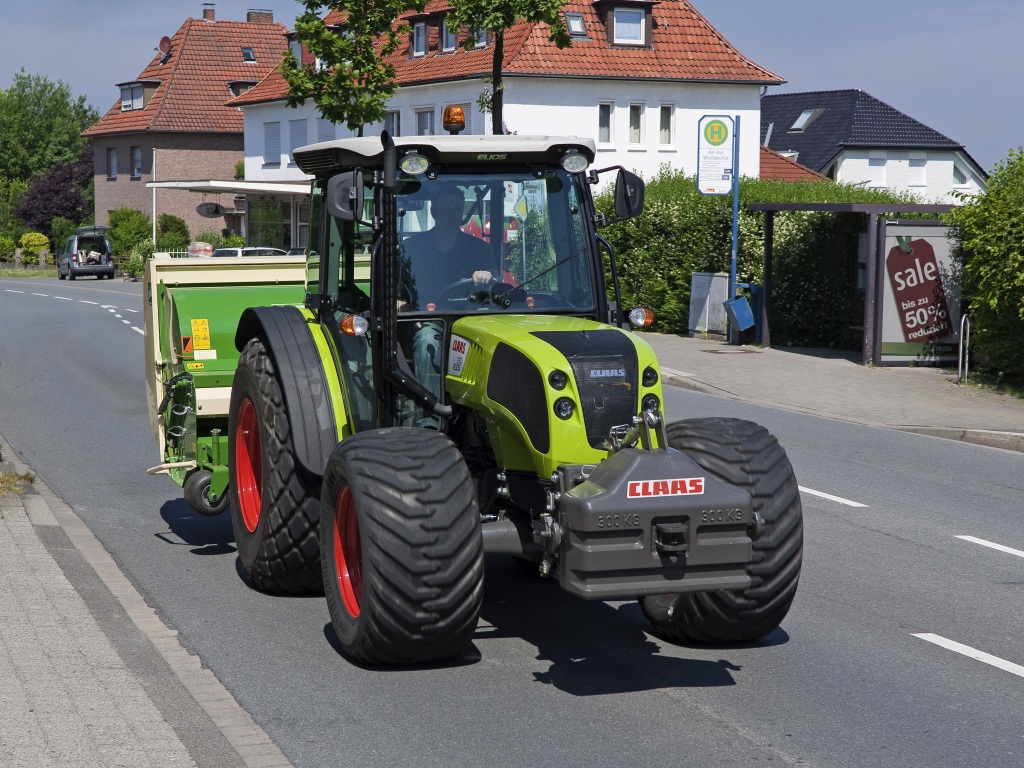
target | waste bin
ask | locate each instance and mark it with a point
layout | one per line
(740, 315)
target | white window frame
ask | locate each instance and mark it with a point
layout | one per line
(136, 153)
(479, 38)
(877, 160)
(619, 15)
(670, 110)
(575, 24)
(609, 107)
(449, 37)
(272, 144)
(111, 162)
(296, 48)
(419, 39)
(433, 121)
(917, 170)
(963, 180)
(131, 97)
(393, 122)
(636, 109)
(248, 54)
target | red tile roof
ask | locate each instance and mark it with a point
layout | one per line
(781, 168)
(206, 56)
(685, 48)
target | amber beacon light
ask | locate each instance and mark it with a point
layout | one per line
(453, 119)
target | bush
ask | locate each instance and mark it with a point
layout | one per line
(988, 234)
(6, 248)
(62, 229)
(135, 264)
(128, 228)
(31, 244)
(814, 295)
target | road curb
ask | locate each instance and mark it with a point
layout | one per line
(249, 742)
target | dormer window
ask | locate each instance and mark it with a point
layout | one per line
(574, 22)
(450, 38)
(629, 26)
(131, 97)
(807, 117)
(419, 39)
(248, 54)
(238, 87)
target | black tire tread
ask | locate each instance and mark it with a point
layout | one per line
(422, 547)
(746, 455)
(287, 556)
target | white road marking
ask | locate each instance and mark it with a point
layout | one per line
(973, 653)
(131, 310)
(11, 290)
(830, 497)
(63, 298)
(1000, 547)
(109, 307)
(94, 303)
(139, 330)
(46, 295)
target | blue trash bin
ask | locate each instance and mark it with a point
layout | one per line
(740, 315)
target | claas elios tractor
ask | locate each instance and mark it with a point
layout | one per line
(382, 412)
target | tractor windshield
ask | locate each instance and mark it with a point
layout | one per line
(500, 242)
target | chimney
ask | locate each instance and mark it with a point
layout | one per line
(259, 16)
(209, 14)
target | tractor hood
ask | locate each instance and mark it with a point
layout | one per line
(518, 372)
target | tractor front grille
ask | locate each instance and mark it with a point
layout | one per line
(516, 383)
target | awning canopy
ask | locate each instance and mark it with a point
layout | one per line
(236, 187)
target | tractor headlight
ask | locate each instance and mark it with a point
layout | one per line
(413, 163)
(650, 377)
(641, 317)
(564, 408)
(649, 404)
(558, 380)
(574, 162)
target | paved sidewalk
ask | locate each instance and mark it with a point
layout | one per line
(835, 385)
(89, 674)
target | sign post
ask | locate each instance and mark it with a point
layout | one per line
(718, 173)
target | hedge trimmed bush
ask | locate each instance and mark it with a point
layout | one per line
(31, 244)
(128, 228)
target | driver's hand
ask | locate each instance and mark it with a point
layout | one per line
(481, 277)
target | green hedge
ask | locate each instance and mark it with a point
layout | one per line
(814, 280)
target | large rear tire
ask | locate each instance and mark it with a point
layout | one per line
(402, 548)
(275, 502)
(748, 456)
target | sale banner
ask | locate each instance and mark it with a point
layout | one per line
(916, 283)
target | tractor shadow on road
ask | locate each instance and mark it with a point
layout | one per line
(206, 535)
(594, 648)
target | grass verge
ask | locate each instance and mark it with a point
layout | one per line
(14, 482)
(11, 272)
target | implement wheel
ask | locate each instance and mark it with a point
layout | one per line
(197, 494)
(275, 502)
(402, 548)
(748, 456)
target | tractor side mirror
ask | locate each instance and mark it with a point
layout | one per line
(345, 196)
(629, 195)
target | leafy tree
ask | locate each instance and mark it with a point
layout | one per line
(61, 230)
(65, 191)
(495, 16)
(6, 248)
(128, 228)
(171, 233)
(989, 234)
(11, 191)
(355, 82)
(31, 244)
(40, 126)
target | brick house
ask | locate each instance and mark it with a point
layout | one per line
(172, 122)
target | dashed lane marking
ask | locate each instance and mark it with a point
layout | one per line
(973, 653)
(830, 497)
(11, 290)
(1000, 547)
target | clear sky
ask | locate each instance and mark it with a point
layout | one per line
(954, 65)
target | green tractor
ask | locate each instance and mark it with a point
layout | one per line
(457, 378)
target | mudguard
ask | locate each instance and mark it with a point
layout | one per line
(307, 397)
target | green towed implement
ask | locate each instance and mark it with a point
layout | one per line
(446, 374)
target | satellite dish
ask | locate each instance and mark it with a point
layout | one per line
(165, 45)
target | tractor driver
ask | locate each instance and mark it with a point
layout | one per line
(433, 261)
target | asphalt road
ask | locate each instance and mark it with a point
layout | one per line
(550, 680)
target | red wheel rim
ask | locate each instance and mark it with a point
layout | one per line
(248, 465)
(348, 553)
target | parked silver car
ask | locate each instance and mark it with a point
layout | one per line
(87, 252)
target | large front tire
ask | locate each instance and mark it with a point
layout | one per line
(275, 502)
(748, 456)
(402, 548)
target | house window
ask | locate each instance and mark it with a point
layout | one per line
(425, 122)
(604, 123)
(136, 162)
(272, 145)
(574, 21)
(393, 123)
(467, 110)
(479, 38)
(917, 176)
(298, 136)
(450, 39)
(247, 54)
(805, 119)
(665, 137)
(419, 39)
(111, 162)
(636, 117)
(324, 130)
(876, 170)
(959, 178)
(296, 50)
(629, 26)
(131, 97)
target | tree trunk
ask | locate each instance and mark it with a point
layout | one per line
(497, 92)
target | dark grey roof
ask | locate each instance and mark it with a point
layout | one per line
(843, 119)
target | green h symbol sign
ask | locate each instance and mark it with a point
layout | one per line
(716, 133)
